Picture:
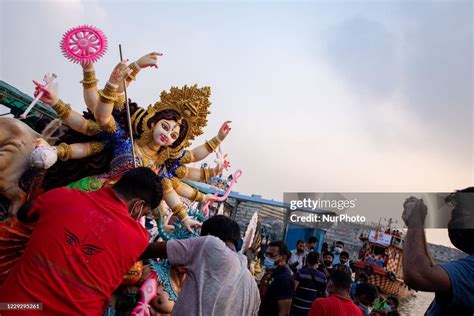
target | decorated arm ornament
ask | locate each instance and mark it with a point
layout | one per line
(89, 80)
(89, 84)
(236, 176)
(177, 207)
(108, 97)
(44, 155)
(191, 194)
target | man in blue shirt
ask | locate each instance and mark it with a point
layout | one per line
(453, 281)
(279, 286)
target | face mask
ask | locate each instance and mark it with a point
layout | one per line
(388, 308)
(269, 263)
(337, 250)
(140, 213)
(365, 309)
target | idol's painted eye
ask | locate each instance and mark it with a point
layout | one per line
(71, 238)
(174, 136)
(165, 126)
(89, 249)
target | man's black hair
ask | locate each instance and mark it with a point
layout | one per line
(341, 279)
(312, 258)
(327, 253)
(222, 227)
(340, 243)
(461, 224)
(282, 248)
(364, 277)
(299, 242)
(141, 183)
(367, 289)
(312, 239)
(344, 254)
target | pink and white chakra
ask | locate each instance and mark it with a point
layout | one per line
(84, 44)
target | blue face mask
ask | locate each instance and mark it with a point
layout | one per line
(337, 250)
(269, 263)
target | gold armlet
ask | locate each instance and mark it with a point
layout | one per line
(89, 80)
(119, 103)
(181, 172)
(176, 183)
(62, 109)
(167, 185)
(206, 174)
(212, 172)
(197, 196)
(109, 127)
(212, 144)
(64, 151)
(187, 158)
(92, 128)
(95, 147)
(109, 93)
(135, 69)
(180, 211)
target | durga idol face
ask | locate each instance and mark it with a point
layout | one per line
(165, 132)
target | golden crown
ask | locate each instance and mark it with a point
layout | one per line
(191, 103)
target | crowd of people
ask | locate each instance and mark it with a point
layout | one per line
(79, 252)
(304, 282)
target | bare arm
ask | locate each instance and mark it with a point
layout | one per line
(89, 84)
(108, 96)
(65, 112)
(284, 307)
(296, 284)
(174, 202)
(155, 250)
(418, 269)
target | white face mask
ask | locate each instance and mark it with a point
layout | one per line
(139, 213)
(365, 309)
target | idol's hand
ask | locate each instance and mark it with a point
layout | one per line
(224, 130)
(414, 212)
(168, 228)
(149, 60)
(48, 96)
(209, 198)
(87, 66)
(188, 222)
(120, 72)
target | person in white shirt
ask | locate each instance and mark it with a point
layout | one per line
(298, 256)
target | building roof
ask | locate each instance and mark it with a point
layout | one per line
(251, 198)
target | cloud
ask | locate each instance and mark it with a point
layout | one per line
(364, 52)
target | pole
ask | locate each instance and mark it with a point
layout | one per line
(129, 120)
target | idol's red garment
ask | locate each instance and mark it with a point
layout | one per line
(334, 305)
(81, 247)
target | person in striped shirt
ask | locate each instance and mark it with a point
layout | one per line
(309, 284)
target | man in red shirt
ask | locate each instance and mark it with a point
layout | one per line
(82, 246)
(338, 303)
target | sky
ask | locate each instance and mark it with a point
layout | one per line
(324, 96)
